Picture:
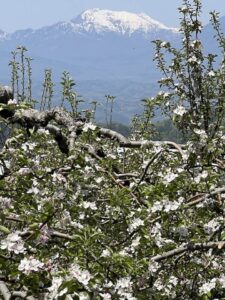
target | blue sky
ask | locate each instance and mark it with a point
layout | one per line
(21, 14)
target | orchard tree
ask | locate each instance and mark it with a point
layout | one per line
(87, 213)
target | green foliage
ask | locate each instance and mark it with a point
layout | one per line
(68, 94)
(166, 131)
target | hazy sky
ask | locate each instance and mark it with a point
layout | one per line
(21, 14)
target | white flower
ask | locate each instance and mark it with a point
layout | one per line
(221, 281)
(34, 190)
(28, 146)
(43, 131)
(30, 265)
(193, 59)
(173, 280)
(136, 223)
(5, 202)
(123, 285)
(13, 101)
(196, 44)
(163, 44)
(91, 205)
(124, 252)
(200, 176)
(212, 226)
(158, 285)
(153, 267)
(136, 242)
(53, 289)
(158, 206)
(88, 126)
(169, 178)
(199, 131)
(105, 253)
(13, 243)
(184, 9)
(99, 179)
(207, 287)
(120, 151)
(65, 219)
(171, 205)
(180, 110)
(57, 177)
(127, 296)
(83, 276)
(106, 296)
(24, 171)
(211, 74)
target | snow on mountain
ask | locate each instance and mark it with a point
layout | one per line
(122, 22)
(3, 35)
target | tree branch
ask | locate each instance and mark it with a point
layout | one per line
(189, 248)
(4, 291)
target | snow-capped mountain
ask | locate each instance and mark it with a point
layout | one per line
(121, 22)
(107, 52)
(97, 43)
(100, 22)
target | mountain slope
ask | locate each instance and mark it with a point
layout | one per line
(97, 40)
(121, 22)
(99, 46)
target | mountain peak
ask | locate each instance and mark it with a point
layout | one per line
(123, 22)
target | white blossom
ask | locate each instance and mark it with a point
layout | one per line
(106, 296)
(53, 289)
(173, 280)
(169, 177)
(124, 283)
(83, 276)
(153, 267)
(89, 126)
(91, 205)
(212, 225)
(13, 101)
(28, 265)
(135, 224)
(201, 176)
(28, 146)
(180, 110)
(199, 131)
(136, 242)
(158, 285)
(193, 59)
(13, 243)
(124, 287)
(207, 287)
(184, 9)
(211, 74)
(24, 171)
(105, 253)
(158, 206)
(163, 44)
(57, 177)
(5, 202)
(171, 205)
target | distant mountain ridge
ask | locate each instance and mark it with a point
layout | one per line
(102, 21)
(121, 22)
(95, 41)
(107, 52)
